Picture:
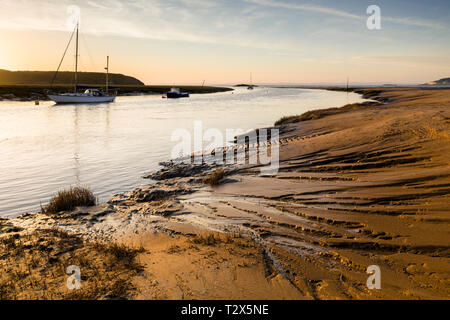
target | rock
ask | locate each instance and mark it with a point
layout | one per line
(153, 193)
(411, 269)
(118, 198)
(167, 209)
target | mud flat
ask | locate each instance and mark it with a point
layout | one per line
(361, 185)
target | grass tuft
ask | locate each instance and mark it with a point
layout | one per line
(34, 267)
(68, 200)
(212, 239)
(207, 240)
(213, 178)
(287, 119)
(121, 254)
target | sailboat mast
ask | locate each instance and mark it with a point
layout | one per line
(76, 61)
(107, 75)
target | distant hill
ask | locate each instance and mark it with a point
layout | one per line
(245, 85)
(441, 82)
(64, 78)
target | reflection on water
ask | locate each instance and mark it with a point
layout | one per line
(109, 147)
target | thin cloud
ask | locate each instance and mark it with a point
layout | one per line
(156, 20)
(404, 59)
(416, 22)
(202, 21)
(340, 13)
(302, 7)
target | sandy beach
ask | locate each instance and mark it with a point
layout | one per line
(365, 184)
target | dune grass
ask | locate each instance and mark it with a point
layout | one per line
(68, 200)
(207, 240)
(212, 239)
(321, 113)
(34, 267)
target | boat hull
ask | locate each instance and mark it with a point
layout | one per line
(61, 99)
(177, 95)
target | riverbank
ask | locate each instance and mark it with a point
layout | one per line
(366, 184)
(39, 92)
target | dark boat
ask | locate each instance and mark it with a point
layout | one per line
(175, 93)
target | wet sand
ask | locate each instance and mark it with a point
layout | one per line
(362, 185)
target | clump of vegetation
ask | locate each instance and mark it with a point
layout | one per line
(287, 119)
(318, 114)
(68, 200)
(173, 249)
(212, 239)
(342, 89)
(369, 93)
(213, 178)
(34, 267)
(207, 240)
(121, 254)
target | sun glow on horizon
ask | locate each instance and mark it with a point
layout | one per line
(222, 42)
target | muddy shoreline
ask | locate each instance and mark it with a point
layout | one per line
(362, 185)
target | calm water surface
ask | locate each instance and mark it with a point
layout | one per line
(109, 147)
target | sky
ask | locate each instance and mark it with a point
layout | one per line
(224, 41)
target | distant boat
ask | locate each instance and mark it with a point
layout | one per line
(90, 95)
(250, 87)
(176, 93)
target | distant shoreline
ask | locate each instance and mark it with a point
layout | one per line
(39, 92)
(361, 87)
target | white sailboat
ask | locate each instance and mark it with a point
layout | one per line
(90, 95)
(250, 87)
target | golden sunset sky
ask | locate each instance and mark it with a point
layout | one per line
(222, 42)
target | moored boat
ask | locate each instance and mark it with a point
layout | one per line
(175, 93)
(251, 87)
(90, 95)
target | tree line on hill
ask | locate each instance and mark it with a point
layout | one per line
(64, 78)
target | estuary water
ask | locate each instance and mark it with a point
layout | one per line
(110, 147)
